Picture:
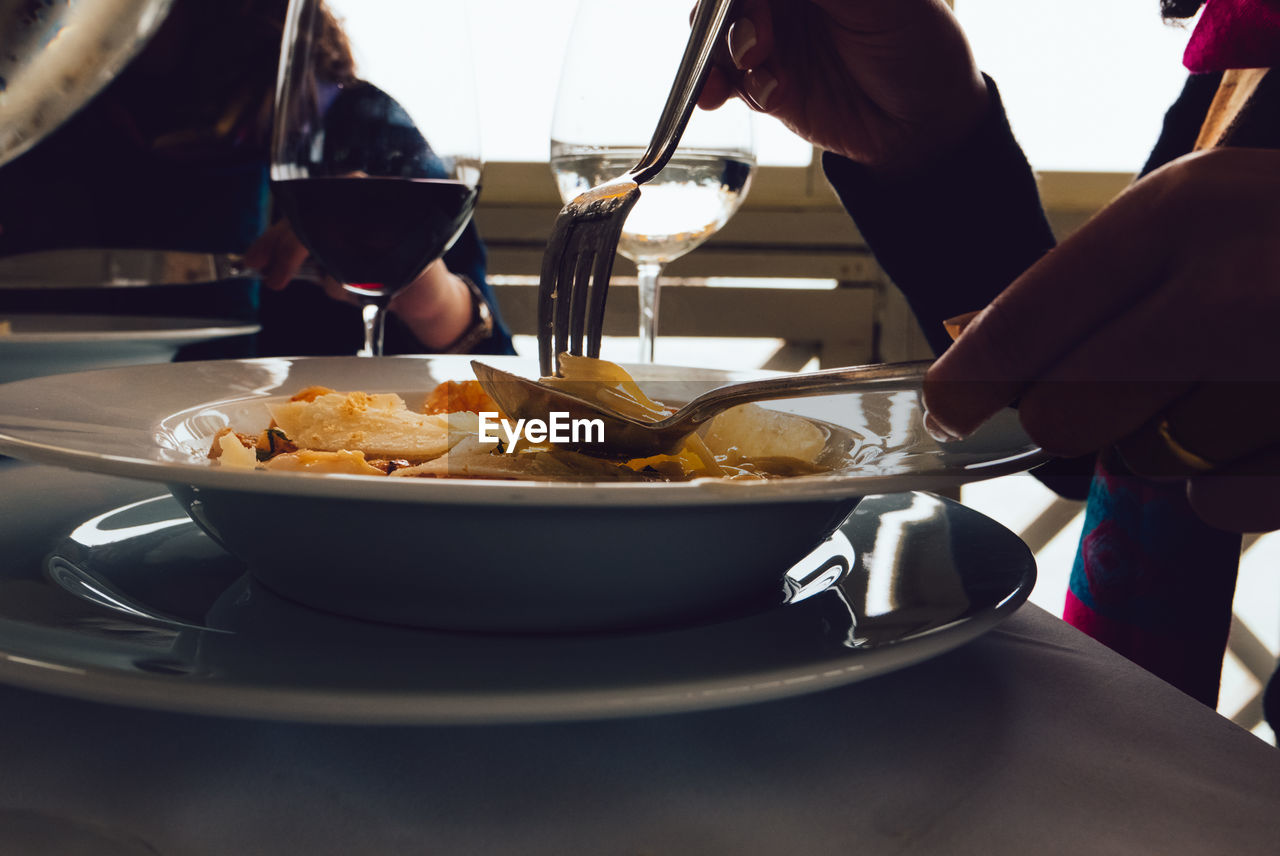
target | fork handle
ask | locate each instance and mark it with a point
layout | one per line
(711, 21)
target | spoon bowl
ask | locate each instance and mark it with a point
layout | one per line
(627, 437)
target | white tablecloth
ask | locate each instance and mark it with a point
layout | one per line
(1031, 740)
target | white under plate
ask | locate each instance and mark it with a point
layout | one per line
(110, 593)
(55, 344)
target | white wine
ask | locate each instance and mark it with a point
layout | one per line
(695, 194)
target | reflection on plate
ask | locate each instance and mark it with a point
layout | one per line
(495, 555)
(34, 345)
(137, 607)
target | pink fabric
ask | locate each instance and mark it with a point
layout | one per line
(1184, 661)
(1235, 34)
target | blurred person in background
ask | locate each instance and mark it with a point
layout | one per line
(1139, 350)
(173, 155)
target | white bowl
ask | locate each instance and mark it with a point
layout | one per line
(485, 555)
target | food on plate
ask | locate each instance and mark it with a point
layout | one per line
(752, 432)
(456, 396)
(607, 384)
(459, 432)
(380, 425)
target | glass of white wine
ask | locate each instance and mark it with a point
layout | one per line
(608, 104)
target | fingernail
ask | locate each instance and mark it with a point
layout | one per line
(955, 326)
(742, 38)
(938, 431)
(759, 85)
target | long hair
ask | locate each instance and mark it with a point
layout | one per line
(207, 79)
(1180, 8)
(336, 64)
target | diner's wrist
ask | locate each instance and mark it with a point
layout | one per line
(968, 110)
(437, 308)
(480, 325)
(454, 319)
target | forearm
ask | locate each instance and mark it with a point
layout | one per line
(437, 308)
(427, 325)
(953, 235)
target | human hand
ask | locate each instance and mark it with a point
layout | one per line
(276, 255)
(887, 83)
(436, 305)
(1155, 322)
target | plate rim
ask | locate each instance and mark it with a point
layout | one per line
(334, 707)
(495, 492)
(179, 329)
(31, 670)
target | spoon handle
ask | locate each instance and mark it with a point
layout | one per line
(825, 382)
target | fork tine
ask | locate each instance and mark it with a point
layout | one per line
(577, 302)
(576, 270)
(593, 312)
(606, 251)
(566, 282)
(548, 288)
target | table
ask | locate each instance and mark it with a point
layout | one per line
(1030, 740)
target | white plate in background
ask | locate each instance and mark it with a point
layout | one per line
(45, 344)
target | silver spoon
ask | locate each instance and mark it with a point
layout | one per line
(625, 437)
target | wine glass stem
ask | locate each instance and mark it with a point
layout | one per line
(648, 274)
(373, 311)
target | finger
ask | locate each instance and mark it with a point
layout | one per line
(955, 326)
(286, 255)
(1242, 498)
(1117, 377)
(742, 65)
(751, 37)
(1158, 354)
(259, 253)
(262, 251)
(1214, 426)
(1091, 277)
(1070, 419)
(284, 264)
(718, 89)
(333, 289)
(1229, 421)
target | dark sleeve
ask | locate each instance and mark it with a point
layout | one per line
(955, 236)
(952, 237)
(1183, 120)
(366, 130)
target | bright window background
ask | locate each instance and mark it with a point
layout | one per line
(1086, 83)
(520, 46)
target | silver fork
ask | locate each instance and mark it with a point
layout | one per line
(579, 256)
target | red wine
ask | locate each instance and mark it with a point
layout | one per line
(379, 233)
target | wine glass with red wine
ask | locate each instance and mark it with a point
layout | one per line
(375, 155)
